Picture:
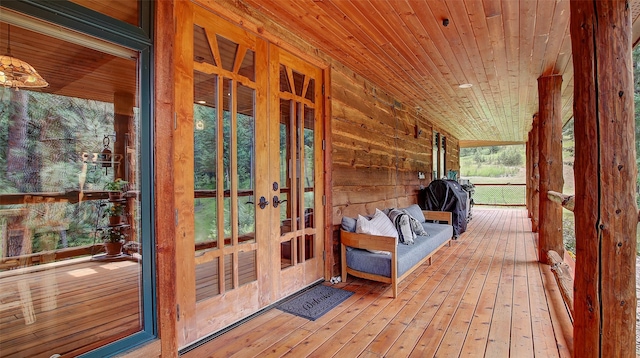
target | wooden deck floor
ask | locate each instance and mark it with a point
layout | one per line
(485, 296)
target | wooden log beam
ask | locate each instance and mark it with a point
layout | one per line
(535, 179)
(567, 201)
(562, 274)
(550, 164)
(605, 210)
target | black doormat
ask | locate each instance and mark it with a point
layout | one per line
(315, 302)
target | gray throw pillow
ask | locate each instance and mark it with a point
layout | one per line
(348, 224)
(416, 212)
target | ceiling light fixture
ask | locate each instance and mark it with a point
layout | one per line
(465, 85)
(16, 73)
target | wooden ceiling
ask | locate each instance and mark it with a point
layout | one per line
(501, 47)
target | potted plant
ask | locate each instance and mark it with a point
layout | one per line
(116, 188)
(113, 239)
(116, 214)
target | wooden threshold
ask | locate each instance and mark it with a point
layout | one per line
(484, 296)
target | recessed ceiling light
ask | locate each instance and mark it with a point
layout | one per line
(465, 85)
(201, 102)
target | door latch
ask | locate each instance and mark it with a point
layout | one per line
(277, 201)
(263, 202)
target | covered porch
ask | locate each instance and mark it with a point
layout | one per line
(485, 295)
(250, 128)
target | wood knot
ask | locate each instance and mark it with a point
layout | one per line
(621, 93)
(619, 244)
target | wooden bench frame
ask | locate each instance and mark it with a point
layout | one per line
(386, 243)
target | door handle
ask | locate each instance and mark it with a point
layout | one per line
(277, 201)
(263, 202)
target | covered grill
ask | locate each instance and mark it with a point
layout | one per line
(448, 195)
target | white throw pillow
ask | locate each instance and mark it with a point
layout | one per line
(379, 225)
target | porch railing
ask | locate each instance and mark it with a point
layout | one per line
(506, 194)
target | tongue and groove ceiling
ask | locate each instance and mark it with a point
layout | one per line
(501, 47)
(403, 46)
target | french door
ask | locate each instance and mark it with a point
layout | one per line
(296, 110)
(248, 190)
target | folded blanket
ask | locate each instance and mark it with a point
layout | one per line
(401, 220)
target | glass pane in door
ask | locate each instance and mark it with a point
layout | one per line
(205, 140)
(285, 166)
(226, 157)
(205, 136)
(309, 184)
(245, 153)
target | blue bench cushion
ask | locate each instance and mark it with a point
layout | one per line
(408, 255)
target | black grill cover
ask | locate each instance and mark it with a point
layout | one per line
(447, 195)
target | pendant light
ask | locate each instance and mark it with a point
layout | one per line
(16, 73)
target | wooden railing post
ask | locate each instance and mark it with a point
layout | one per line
(550, 164)
(605, 168)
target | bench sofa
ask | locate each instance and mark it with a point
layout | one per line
(392, 268)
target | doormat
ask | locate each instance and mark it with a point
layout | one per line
(315, 302)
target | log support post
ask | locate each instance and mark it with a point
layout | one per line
(605, 207)
(550, 165)
(535, 176)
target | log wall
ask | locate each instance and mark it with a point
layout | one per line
(379, 146)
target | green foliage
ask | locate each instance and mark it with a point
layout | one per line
(504, 161)
(493, 171)
(116, 185)
(112, 234)
(115, 210)
(48, 135)
(206, 144)
(568, 231)
(510, 156)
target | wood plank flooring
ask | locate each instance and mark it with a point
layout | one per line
(485, 296)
